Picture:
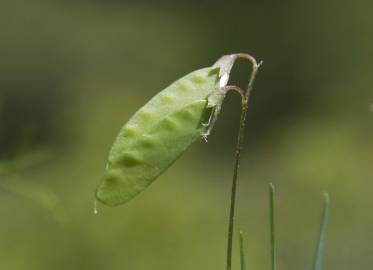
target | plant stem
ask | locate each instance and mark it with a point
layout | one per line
(242, 252)
(272, 225)
(321, 243)
(239, 146)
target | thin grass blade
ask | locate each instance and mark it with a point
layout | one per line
(242, 252)
(272, 225)
(321, 243)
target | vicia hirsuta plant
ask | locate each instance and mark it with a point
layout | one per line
(159, 132)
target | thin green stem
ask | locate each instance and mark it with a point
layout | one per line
(239, 146)
(234, 186)
(272, 224)
(242, 252)
(321, 243)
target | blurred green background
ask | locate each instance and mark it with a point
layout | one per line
(73, 72)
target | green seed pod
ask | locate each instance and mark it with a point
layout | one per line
(161, 131)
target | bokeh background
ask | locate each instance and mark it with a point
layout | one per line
(73, 72)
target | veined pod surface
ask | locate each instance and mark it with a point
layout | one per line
(159, 132)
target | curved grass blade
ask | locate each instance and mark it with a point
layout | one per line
(321, 243)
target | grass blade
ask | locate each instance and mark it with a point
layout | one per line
(242, 253)
(321, 243)
(272, 224)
